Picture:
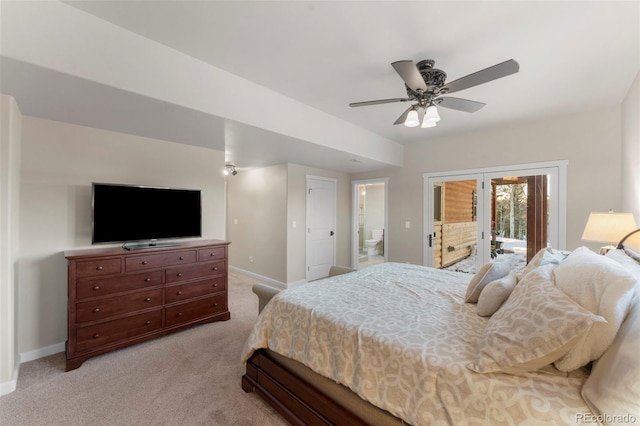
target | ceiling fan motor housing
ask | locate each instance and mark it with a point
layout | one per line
(433, 77)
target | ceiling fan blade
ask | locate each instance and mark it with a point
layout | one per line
(460, 104)
(380, 101)
(410, 74)
(403, 117)
(486, 75)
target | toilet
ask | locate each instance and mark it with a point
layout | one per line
(372, 244)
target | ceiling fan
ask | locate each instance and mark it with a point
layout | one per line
(425, 86)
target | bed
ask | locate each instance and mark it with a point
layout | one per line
(404, 344)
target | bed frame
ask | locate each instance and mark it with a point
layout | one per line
(297, 400)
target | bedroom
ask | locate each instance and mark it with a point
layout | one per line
(58, 164)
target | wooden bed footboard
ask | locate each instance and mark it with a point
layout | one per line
(293, 397)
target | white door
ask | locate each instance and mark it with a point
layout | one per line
(321, 226)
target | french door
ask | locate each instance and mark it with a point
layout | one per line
(475, 217)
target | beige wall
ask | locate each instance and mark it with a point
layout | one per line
(256, 221)
(59, 163)
(591, 142)
(10, 133)
(631, 150)
(263, 204)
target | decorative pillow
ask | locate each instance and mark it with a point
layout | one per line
(543, 257)
(489, 272)
(494, 294)
(625, 260)
(602, 286)
(536, 325)
(614, 383)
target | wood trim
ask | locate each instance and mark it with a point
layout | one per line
(294, 398)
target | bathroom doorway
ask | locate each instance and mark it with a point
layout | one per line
(369, 226)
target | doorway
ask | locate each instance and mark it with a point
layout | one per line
(369, 224)
(506, 213)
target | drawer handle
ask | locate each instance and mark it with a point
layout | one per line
(96, 310)
(179, 314)
(181, 258)
(213, 254)
(144, 262)
(96, 288)
(146, 280)
(179, 292)
(147, 322)
(99, 268)
(215, 268)
(95, 336)
(148, 299)
(179, 274)
(214, 305)
(215, 285)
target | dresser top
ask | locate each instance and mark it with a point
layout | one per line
(162, 246)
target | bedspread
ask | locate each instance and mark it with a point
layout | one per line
(401, 337)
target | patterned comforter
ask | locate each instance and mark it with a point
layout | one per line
(401, 337)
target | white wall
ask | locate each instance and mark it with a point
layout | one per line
(591, 142)
(59, 163)
(10, 133)
(631, 150)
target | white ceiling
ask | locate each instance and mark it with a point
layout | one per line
(574, 56)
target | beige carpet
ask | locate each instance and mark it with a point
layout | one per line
(188, 378)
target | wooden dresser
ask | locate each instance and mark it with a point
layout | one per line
(118, 297)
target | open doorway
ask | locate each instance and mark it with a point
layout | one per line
(369, 222)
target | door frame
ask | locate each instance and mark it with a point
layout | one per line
(335, 218)
(557, 232)
(354, 218)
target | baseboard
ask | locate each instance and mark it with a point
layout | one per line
(42, 352)
(266, 280)
(10, 386)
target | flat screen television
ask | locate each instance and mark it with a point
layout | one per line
(123, 213)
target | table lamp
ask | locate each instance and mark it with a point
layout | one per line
(608, 228)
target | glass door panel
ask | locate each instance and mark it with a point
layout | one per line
(455, 228)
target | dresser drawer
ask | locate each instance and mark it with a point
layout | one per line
(195, 289)
(213, 253)
(113, 331)
(96, 268)
(108, 307)
(201, 308)
(97, 287)
(159, 260)
(189, 272)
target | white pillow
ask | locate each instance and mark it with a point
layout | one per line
(543, 257)
(536, 325)
(489, 272)
(614, 383)
(602, 286)
(625, 260)
(494, 294)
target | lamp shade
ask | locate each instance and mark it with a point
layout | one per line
(431, 115)
(412, 119)
(608, 227)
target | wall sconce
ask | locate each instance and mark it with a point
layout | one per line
(230, 169)
(608, 228)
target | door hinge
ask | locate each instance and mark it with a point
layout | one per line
(483, 185)
(482, 235)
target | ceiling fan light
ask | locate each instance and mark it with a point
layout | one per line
(431, 114)
(428, 123)
(412, 119)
